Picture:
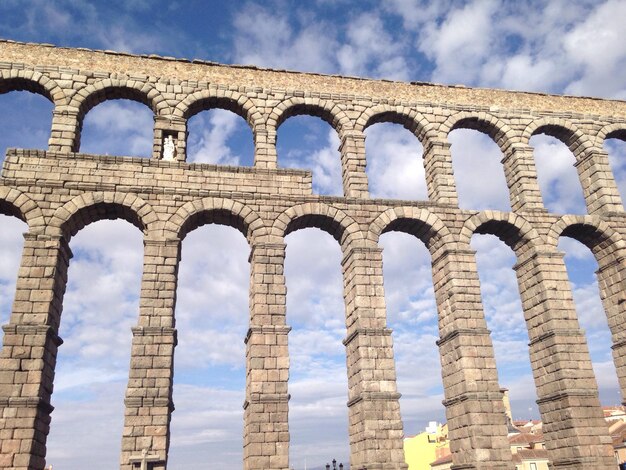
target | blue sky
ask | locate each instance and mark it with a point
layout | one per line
(557, 46)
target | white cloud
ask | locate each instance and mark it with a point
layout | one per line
(209, 138)
(478, 173)
(558, 178)
(119, 127)
(395, 166)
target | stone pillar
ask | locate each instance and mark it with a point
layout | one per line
(265, 148)
(376, 435)
(611, 281)
(65, 131)
(597, 180)
(439, 172)
(176, 127)
(28, 357)
(573, 423)
(474, 407)
(353, 162)
(521, 178)
(149, 393)
(266, 408)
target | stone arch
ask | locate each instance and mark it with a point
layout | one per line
(511, 228)
(92, 95)
(35, 82)
(235, 102)
(500, 132)
(326, 110)
(87, 208)
(219, 211)
(403, 115)
(415, 221)
(612, 131)
(17, 204)
(590, 230)
(331, 220)
(561, 129)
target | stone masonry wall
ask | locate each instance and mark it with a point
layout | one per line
(59, 191)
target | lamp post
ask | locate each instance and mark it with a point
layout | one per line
(334, 465)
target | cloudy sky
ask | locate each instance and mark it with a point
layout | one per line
(557, 46)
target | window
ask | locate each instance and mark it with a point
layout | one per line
(533, 466)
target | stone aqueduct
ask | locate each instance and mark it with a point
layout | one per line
(57, 192)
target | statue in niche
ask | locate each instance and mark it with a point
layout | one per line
(169, 149)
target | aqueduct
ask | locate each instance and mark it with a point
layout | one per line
(59, 191)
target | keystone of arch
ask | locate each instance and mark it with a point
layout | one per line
(511, 228)
(500, 132)
(417, 123)
(24, 208)
(599, 226)
(432, 232)
(327, 110)
(125, 89)
(567, 133)
(230, 100)
(141, 215)
(333, 221)
(40, 84)
(253, 227)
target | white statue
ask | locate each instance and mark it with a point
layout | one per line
(169, 149)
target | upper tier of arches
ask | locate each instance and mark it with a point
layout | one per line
(265, 111)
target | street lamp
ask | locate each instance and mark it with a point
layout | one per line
(334, 465)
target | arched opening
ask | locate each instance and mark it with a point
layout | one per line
(221, 137)
(412, 315)
(506, 321)
(11, 244)
(100, 307)
(395, 164)
(25, 120)
(310, 143)
(478, 171)
(210, 361)
(583, 246)
(558, 179)
(318, 416)
(120, 126)
(615, 145)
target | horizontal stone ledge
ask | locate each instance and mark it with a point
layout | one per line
(360, 249)
(266, 330)
(162, 242)
(462, 332)
(154, 331)
(571, 332)
(366, 332)
(148, 402)
(463, 466)
(26, 402)
(619, 344)
(374, 396)
(556, 254)
(33, 330)
(563, 394)
(445, 252)
(577, 462)
(257, 398)
(473, 396)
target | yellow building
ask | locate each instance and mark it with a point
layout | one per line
(424, 448)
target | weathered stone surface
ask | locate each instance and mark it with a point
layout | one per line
(57, 192)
